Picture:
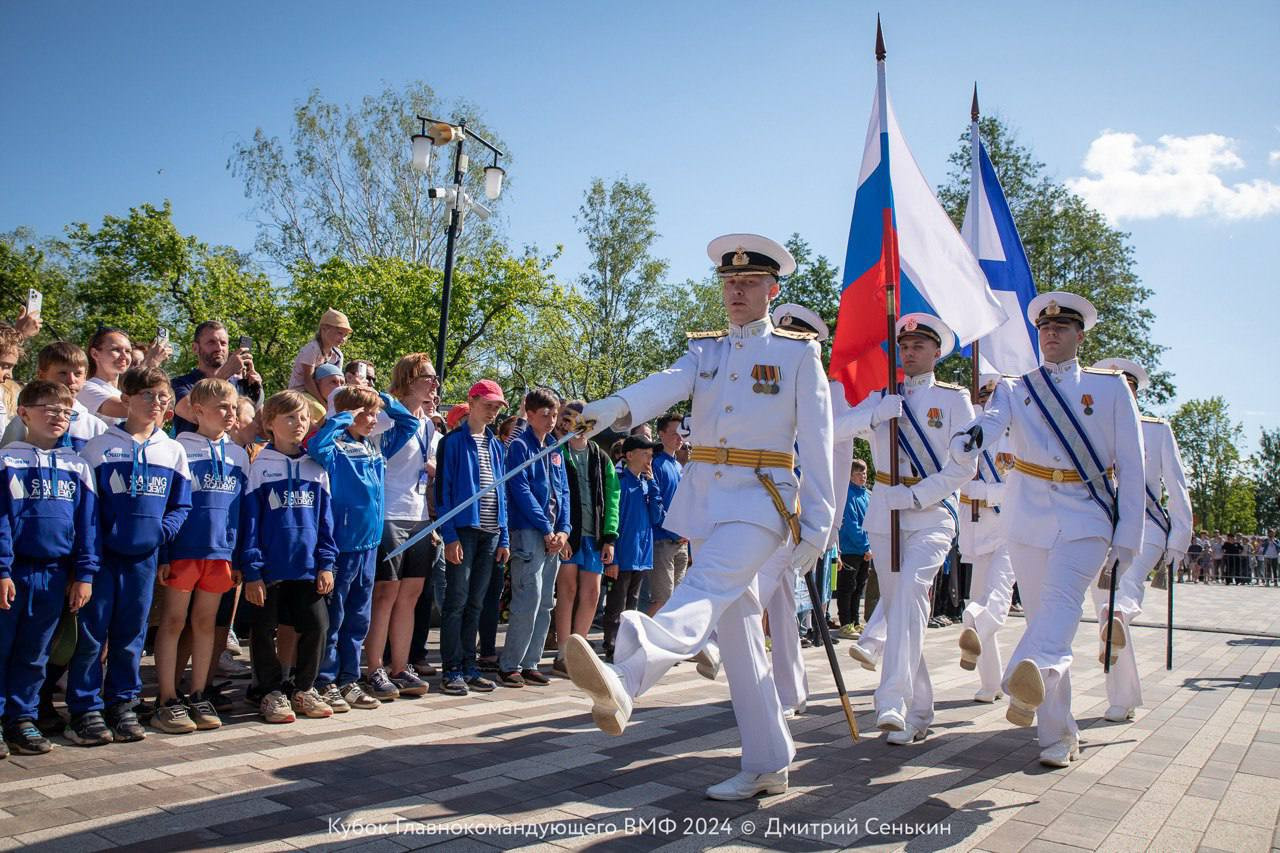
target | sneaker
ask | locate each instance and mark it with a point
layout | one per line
(559, 668)
(485, 665)
(48, 720)
(332, 697)
(409, 684)
(309, 704)
(380, 686)
(478, 683)
(453, 684)
(88, 729)
(25, 739)
(424, 669)
(203, 713)
(275, 708)
(254, 694)
(534, 676)
(124, 723)
(216, 695)
(229, 667)
(233, 644)
(356, 697)
(852, 631)
(172, 718)
(511, 679)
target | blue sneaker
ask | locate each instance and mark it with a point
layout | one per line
(454, 684)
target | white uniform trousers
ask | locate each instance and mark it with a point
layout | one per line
(720, 591)
(904, 680)
(1052, 582)
(875, 632)
(1123, 685)
(990, 593)
(778, 592)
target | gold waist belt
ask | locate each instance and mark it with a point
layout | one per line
(742, 458)
(968, 501)
(883, 477)
(1057, 475)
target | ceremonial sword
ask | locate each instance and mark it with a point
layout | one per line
(433, 526)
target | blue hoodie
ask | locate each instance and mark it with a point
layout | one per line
(640, 512)
(219, 473)
(357, 469)
(458, 478)
(529, 493)
(48, 510)
(144, 490)
(286, 523)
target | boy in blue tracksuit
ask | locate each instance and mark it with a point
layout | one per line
(287, 555)
(198, 575)
(469, 459)
(48, 536)
(539, 518)
(357, 473)
(640, 511)
(144, 495)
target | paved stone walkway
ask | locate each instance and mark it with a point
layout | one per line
(1198, 769)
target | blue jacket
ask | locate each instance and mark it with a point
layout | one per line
(286, 523)
(458, 478)
(48, 510)
(640, 511)
(357, 469)
(666, 473)
(219, 473)
(853, 536)
(529, 493)
(144, 490)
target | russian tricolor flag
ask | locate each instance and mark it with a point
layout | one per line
(988, 227)
(900, 233)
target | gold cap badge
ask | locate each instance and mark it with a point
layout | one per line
(740, 258)
(1052, 309)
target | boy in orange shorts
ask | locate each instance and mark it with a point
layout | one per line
(198, 569)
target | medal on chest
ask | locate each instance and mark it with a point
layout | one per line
(766, 378)
(1086, 400)
(935, 418)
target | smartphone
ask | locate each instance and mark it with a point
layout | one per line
(35, 301)
(162, 335)
(246, 342)
(362, 370)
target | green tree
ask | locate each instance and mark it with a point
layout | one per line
(344, 186)
(26, 262)
(1264, 469)
(1070, 247)
(815, 284)
(1209, 442)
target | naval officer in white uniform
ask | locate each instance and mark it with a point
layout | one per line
(928, 413)
(1076, 491)
(984, 546)
(754, 389)
(1165, 539)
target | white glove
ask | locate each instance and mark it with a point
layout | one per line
(966, 446)
(896, 497)
(888, 407)
(602, 414)
(805, 556)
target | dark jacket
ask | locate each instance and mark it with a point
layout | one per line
(604, 496)
(458, 478)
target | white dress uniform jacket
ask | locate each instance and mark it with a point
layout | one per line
(728, 411)
(1164, 471)
(941, 410)
(989, 532)
(1040, 510)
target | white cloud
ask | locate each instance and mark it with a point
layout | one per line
(1177, 176)
(1274, 158)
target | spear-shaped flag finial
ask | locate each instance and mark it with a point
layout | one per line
(973, 111)
(880, 53)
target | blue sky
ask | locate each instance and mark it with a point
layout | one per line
(739, 116)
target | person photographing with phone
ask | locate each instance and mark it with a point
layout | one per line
(216, 360)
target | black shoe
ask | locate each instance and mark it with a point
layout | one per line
(48, 720)
(25, 739)
(483, 665)
(477, 682)
(88, 729)
(253, 695)
(216, 694)
(534, 676)
(124, 723)
(511, 679)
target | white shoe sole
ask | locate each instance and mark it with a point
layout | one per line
(588, 675)
(732, 796)
(1026, 693)
(1118, 642)
(970, 649)
(1060, 763)
(889, 724)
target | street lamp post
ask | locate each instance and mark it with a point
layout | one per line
(456, 199)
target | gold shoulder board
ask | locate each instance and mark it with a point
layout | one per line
(1152, 420)
(1103, 370)
(795, 335)
(698, 336)
(951, 386)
